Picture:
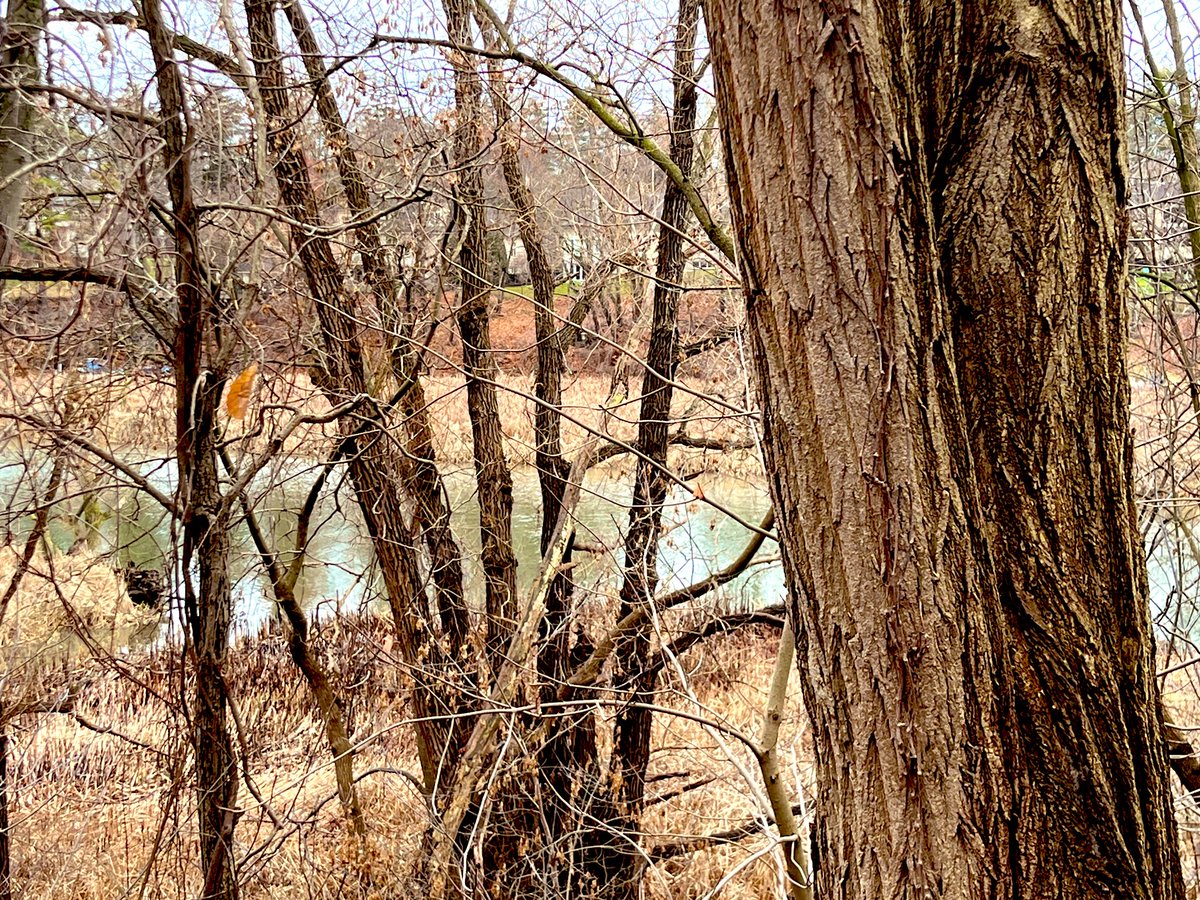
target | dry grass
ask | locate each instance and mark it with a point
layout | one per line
(133, 415)
(59, 599)
(99, 816)
(103, 815)
(100, 777)
(729, 680)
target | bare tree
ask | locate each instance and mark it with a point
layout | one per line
(199, 382)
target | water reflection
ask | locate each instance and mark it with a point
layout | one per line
(1173, 572)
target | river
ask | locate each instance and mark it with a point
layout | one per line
(123, 525)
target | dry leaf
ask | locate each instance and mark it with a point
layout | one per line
(237, 395)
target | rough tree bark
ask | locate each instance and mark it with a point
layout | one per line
(375, 469)
(558, 765)
(208, 605)
(380, 270)
(929, 205)
(23, 28)
(552, 466)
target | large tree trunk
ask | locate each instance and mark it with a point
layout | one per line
(929, 203)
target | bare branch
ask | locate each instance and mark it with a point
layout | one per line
(588, 672)
(66, 438)
(223, 62)
(623, 130)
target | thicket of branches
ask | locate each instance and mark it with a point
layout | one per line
(312, 246)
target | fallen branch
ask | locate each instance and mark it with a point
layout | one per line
(772, 616)
(1182, 756)
(714, 340)
(695, 844)
(679, 439)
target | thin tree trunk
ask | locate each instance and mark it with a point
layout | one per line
(797, 865)
(208, 605)
(492, 475)
(24, 26)
(331, 710)
(379, 269)
(1181, 129)
(557, 766)
(5, 837)
(448, 860)
(619, 862)
(1185, 134)
(283, 583)
(929, 201)
(374, 467)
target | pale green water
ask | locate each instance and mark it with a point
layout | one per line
(126, 526)
(1173, 572)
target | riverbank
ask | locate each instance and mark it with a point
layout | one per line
(120, 413)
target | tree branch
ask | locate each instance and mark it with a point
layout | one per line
(772, 616)
(223, 62)
(1182, 756)
(100, 108)
(66, 438)
(629, 133)
(702, 842)
(588, 672)
(712, 341)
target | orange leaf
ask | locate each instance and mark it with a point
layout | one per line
(237, 395)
